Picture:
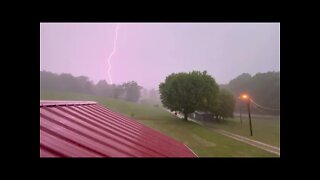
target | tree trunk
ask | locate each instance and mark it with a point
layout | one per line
(185, 116)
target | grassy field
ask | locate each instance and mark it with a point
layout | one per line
(202, 140)
(265, 129)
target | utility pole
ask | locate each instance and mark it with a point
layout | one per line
(249, 116)
(240, 114)
(245, 97)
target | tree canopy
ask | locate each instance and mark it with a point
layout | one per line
(129, 91)
(187, 92)
(263, 88)
(132, 90)
(225, 104)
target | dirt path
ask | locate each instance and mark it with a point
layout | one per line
(258, 144)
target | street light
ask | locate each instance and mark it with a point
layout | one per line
(247, 98)
(244, 96)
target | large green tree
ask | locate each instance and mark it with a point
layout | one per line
(225, 104)
(187, 92)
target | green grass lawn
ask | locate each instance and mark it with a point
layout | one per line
(202, 140)
(265, 129)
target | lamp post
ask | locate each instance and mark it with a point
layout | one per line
(240, 114)
(249, 117)
(247, 98)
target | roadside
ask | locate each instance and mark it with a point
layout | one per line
(255, 143)
(258, 144)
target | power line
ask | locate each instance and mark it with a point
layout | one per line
(259, 109)
(267, 108)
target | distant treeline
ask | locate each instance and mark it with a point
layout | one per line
(129, 91)
(263, 88)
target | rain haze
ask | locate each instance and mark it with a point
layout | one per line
(108, 90)
(148, 52)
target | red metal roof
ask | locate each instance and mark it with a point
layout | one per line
(86, 129)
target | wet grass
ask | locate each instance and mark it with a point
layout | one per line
(264, 129)
(202, 140)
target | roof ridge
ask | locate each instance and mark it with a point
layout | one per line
(50, 103)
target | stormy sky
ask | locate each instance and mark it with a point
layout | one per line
(148, 52)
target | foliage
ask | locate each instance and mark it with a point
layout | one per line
(263, 88)
(129, 91)
(187, 92)
(132, 90)
(225, 104)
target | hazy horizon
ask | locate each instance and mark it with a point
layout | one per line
(148, 52)
(95, 82)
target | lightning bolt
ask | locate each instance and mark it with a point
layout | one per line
(113, 51)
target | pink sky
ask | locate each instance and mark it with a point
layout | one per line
(148, 52)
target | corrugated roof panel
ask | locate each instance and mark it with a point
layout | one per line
(86, 129)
